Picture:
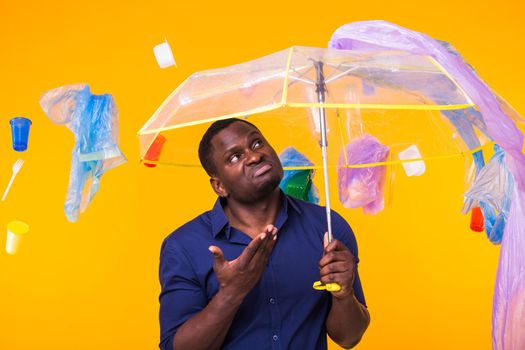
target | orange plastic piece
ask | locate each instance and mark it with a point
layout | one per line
(154, 151)
(476, 220)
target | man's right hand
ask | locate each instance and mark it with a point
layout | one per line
(238, 277)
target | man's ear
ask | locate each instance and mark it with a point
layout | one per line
(217, 186)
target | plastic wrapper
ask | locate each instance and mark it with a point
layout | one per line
(93, 119)
(492, 191)
(508, 309)
(508, 319)
(373, 36)
(298, 183)
(362, 187)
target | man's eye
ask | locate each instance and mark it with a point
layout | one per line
(234, 158)
(257, 144)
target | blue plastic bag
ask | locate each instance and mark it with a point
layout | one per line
(93, 119)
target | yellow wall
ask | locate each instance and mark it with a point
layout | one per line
(93, 284)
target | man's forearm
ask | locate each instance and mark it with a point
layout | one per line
(208, 328)
(347, 321)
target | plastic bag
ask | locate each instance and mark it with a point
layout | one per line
(509, 301)
(373, 36)
(93, 119)
(492, 191)
(508, 320)
(362, 187)
(298, 183)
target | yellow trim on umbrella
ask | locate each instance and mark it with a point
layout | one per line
(382, 106)
(150, 120)
(310, 105)
(209, 120)
(442, 69)
(353, 166)
(286, 73)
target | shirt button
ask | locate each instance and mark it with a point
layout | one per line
(275, 337)
(272, 300)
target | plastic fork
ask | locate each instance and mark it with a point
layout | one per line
(16, 168)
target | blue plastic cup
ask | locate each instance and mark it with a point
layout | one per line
(20, 133)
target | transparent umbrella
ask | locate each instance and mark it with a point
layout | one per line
(312, 98)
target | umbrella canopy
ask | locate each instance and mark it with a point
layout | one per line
(401, 99)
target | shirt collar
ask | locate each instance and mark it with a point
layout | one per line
(219, 220)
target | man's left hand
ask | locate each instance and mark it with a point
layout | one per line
(338, 266)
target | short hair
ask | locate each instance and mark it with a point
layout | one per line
(205, 146)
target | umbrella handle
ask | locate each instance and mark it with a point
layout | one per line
(330, 287)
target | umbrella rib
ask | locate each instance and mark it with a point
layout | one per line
(300, 79)
(335, 77)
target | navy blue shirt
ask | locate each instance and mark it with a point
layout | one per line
(282, 311)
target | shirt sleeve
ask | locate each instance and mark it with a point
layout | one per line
(344, 233)
(181, 294)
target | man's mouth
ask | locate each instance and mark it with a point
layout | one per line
(263, 169)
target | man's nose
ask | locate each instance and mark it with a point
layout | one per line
(253, 157)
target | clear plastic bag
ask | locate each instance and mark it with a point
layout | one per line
(93, 119)
(362, 187)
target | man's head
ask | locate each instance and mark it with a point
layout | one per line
(239, 160)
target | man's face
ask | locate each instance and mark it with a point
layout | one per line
(247, 167)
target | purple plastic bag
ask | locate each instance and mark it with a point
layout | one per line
(362, 187)
(508, 319)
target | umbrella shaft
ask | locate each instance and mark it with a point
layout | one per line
(321, 89)
(324, 145)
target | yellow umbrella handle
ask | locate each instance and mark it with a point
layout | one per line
(331, 287)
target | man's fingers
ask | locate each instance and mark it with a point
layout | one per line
(336, 267)
(342, 278)
(334, 256)
(325, 240)
(218, 257)
(335, 245)
(261, 256)
(252, 248)
(266, 247)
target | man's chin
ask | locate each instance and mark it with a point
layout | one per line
(267, 187)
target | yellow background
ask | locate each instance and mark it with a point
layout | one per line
(93, 285)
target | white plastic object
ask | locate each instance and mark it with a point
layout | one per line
(15, 231)
(164, 55)
(416, 168)
(16, 168)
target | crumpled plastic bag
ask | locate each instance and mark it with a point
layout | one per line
(492, 190)
(298, 183)
(363, 187)
(93, 119)
(509, 294)
(508, 317)
(374, 36)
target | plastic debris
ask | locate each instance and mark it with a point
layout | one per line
(15, 231)
(492, 190)
(415, 168)
(16, 168)
(20, 133)
(298, 183)
(362, 187)
(93, 119)
(164, 55)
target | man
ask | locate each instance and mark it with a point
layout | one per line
(240, 276)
